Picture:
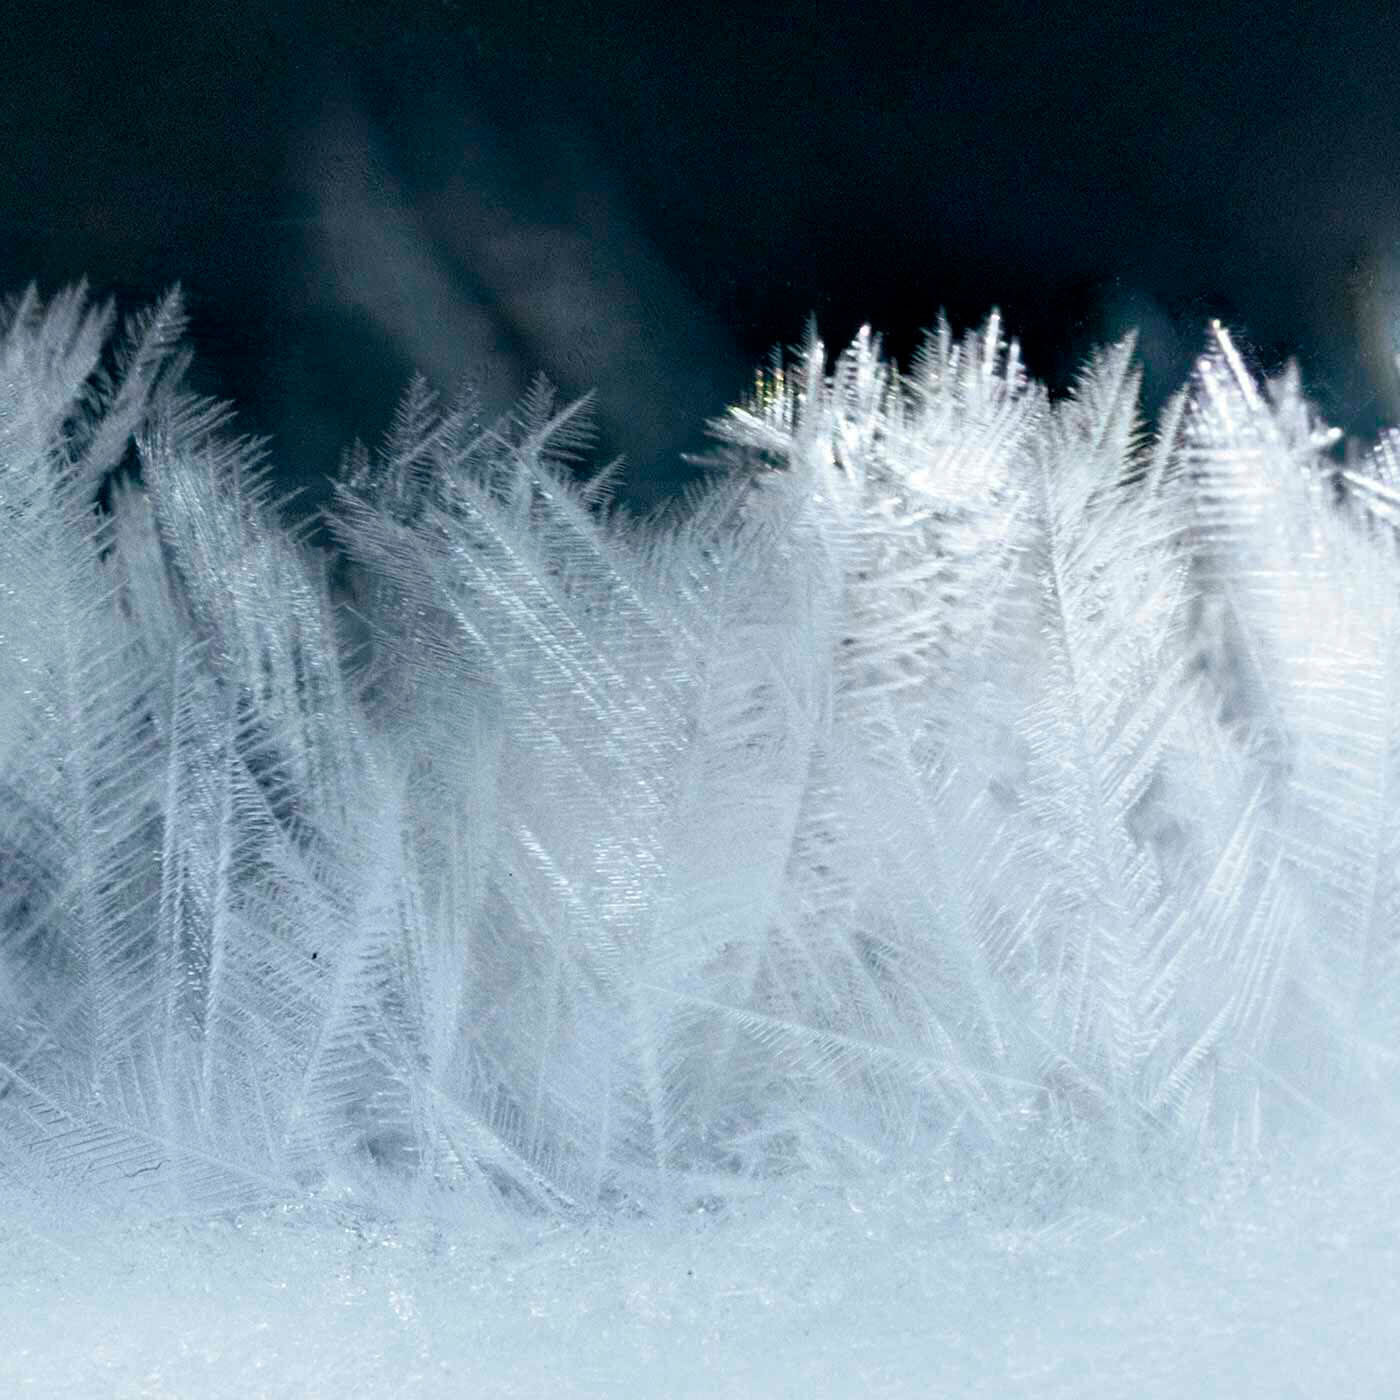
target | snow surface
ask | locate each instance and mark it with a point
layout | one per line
(1277, 1283)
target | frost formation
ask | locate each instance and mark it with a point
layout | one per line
(962, 782)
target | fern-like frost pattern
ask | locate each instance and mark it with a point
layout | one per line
(961, 782)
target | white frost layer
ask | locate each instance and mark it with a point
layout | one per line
(1288, 1285)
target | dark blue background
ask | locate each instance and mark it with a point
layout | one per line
(645, 198)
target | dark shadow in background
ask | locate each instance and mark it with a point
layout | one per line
(644, 200)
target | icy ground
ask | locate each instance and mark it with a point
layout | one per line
(1284, 1283)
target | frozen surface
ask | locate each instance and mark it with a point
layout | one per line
(1284, 1284)
(898, 926)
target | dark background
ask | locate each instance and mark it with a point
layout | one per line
(646, 199)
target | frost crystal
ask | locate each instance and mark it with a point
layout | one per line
(965, 783)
